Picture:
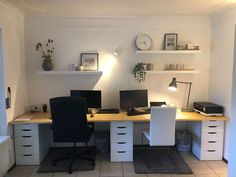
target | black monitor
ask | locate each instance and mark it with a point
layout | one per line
(93, 97)
(130, 99)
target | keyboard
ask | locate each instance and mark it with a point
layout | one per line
(108, 111)
(134, 113)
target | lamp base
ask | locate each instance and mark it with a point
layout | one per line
(187, 109)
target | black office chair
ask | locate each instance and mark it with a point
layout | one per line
(69, 124)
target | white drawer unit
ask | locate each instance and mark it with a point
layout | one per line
(31, 143)
(208, 139)
(121, 141)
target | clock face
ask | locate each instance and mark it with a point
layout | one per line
(143, 42)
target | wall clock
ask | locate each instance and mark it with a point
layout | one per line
(143, 42)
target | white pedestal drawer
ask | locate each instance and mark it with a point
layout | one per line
(31, 143)
(121, 134)
(208, 139)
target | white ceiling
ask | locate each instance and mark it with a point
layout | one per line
(124, 7)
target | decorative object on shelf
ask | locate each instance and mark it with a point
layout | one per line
(74, 67)
(175, 67)
(149, 67)
(170, 41)
(173, 87)
(46, 53)
(180, 47)
(143, 42)
(89, 61)
(45, 107)
(190, 46)
(139, 72)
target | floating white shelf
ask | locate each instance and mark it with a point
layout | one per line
(173, 72)
(70, 72)
(168, 51)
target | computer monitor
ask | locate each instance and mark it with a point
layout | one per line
(93, 97)
(130, 99)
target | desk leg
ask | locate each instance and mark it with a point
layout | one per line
(121, 134)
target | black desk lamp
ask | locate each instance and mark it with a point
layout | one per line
(173, 87)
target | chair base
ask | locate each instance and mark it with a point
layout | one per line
(74, 156)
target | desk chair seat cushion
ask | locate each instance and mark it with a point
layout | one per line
(162, 126)
(69, 121)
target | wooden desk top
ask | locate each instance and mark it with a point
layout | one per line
(45, 118)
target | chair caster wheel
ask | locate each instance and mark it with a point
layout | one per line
(70, 171)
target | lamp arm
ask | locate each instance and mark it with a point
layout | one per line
(184, 82)
(189, 91)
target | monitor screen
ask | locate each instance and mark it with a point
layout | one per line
(133, 98)
(93, 97)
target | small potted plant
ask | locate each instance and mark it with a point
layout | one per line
(139, 72)
(46, 52)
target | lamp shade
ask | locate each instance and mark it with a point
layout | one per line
(173, 86)
(117, 51)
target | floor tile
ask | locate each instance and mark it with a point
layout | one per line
(21, 171)
(128, 170)
(35, 174)
(111, 169)
(91, 173)
(64, 174)
(218, 166)
(182, 176)
(189, 158)
(213, 175)
(201, 169)
(158, 175)
(222, 175)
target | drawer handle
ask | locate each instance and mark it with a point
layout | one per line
(121, 143)
(211, 150)
(26, 130)
(121, 152)
(212, 126)
(27, 155)
(212, 120)
(27, 145)
(121, 127)
(121, 133)
(26, 136)
(212, 133)
(211, 141)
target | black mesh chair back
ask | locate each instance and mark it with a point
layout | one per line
(69, 122)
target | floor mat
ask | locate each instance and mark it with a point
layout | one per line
(159, 160)
(79, 165)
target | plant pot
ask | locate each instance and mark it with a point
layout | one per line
(47, 64)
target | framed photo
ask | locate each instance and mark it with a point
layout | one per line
(89, 61)
(170, 41)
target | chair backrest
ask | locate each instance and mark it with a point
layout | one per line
(162, 126)
(69, 122)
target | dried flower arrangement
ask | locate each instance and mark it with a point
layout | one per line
(46, 51)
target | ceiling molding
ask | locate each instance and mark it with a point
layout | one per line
(65, 9)
(12, 8)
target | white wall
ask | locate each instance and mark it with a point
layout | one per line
(73, 35)
(232, 143)
(12, 27)
(221, 70)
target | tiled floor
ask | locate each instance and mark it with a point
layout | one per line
(106, 169)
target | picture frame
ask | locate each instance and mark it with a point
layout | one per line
(170, 41)
(89, 61)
